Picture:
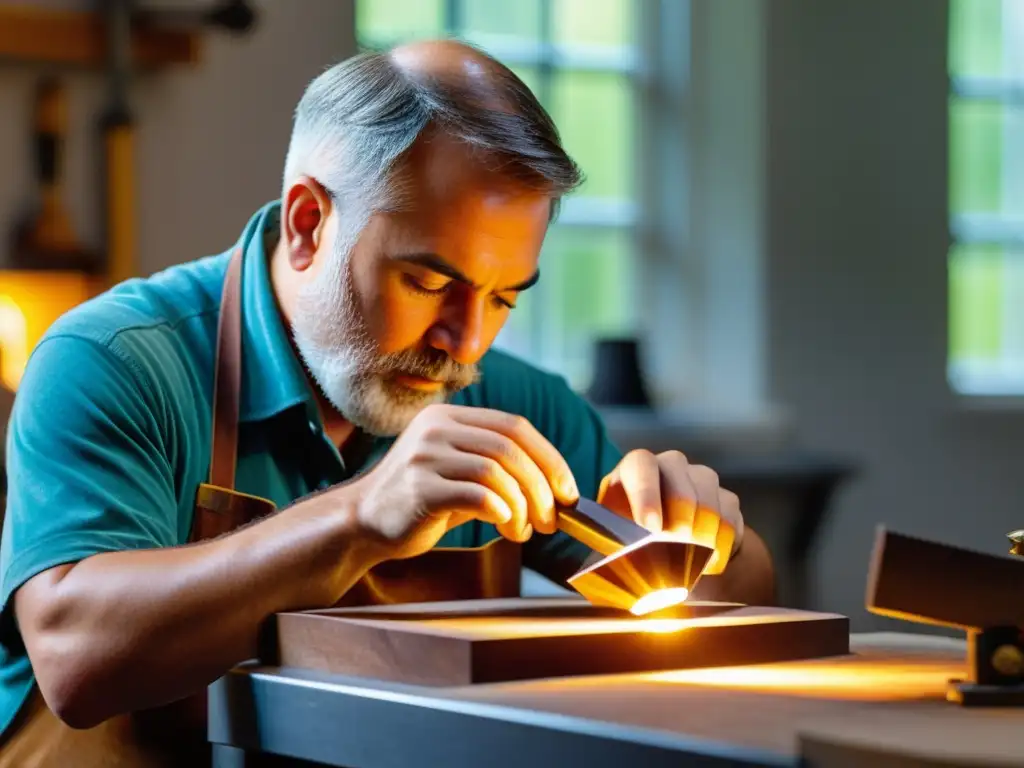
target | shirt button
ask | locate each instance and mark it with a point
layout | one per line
(313, 427)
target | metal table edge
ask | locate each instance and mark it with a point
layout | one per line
(354, 723)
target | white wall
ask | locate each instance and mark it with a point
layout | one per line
(211, 140)
(857, 238)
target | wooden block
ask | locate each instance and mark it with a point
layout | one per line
(78, 38)
(931, 583)
(486, 641)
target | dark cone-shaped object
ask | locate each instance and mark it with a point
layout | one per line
(618, 378)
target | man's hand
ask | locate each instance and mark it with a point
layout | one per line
(666, 492)
(456, 463)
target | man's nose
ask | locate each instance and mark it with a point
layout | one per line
(459, 331)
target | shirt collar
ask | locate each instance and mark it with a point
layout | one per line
(273, 378)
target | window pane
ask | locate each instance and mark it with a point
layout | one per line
(594, 112)
(975, 301)
(975, 162)
(585, 291)
(600, 22)
(387, 21)
(975, 37)
(519, 333)
(587, 280)
(986, 333)
(518, 19)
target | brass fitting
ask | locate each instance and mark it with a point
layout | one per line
(1016, 542)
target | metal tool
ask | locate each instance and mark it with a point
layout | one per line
(641, 572)
(982, 594)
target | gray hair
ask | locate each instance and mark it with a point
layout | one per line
(356, 121)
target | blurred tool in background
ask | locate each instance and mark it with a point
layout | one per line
(44, 238)
(118, 121)
(118, 126)
(230, 15)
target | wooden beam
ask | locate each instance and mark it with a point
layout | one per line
(932, 583)
(78, 38)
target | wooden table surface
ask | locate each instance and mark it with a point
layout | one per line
(890, 692)
(882, 705)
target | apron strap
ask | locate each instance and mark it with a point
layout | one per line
(227, 378)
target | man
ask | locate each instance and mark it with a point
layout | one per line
(418, 189)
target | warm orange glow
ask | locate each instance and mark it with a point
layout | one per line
(662, 626)
(13, 342)
(659, 600)
(30, 301)
(484, 627)
(853, 679)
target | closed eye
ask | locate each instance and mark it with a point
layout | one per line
(418, 287)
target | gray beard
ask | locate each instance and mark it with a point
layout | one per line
(341, 356)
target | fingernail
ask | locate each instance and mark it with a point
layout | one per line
(526, 533)
(652, 520)
(569, 488)
(506, 513)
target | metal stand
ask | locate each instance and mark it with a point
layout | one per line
(995, 658)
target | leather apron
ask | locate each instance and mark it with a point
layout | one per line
(175, 735)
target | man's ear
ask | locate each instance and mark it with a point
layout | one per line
(304, 212)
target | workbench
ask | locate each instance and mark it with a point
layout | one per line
(886, 698)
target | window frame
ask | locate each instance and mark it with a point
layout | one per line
(966, 382)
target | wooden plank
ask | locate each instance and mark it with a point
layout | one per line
(523, 639)
(78, 38)
(928, 582)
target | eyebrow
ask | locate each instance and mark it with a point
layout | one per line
(435, 263)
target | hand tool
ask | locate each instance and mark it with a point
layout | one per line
(641, 571)
(930, 582)
(45, 238)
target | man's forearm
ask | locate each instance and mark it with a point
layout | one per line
(128, 630)
(748, 578)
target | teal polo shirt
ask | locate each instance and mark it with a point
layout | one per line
(111, 429)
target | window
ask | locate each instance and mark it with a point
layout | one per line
(580, 58)
(986, 186)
